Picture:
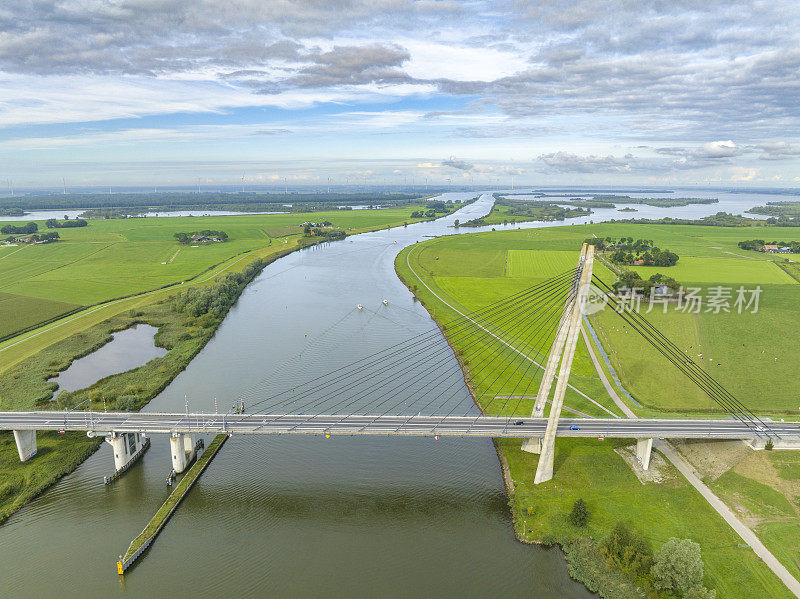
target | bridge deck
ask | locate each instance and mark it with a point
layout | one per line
(458, 426)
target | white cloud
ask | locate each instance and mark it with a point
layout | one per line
(718, 149)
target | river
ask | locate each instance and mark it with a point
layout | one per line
(296, 516)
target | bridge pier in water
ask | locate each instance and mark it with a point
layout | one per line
(183, 450)
(644, 449)
(26, 444)
(127, 448)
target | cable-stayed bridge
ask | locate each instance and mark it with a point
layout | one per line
(502, 370)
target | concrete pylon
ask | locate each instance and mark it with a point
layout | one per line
(26, 444)
(534, 444)
(644, 449)
(544, 470)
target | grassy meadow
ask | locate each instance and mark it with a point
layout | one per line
(116, 258)
(472, 271)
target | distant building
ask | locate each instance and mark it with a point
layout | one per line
(773, 249)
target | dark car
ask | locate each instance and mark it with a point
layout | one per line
(518, 422)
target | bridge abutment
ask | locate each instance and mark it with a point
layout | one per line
(644, 449)
(26, 444)
(532, 445)
(182, 448)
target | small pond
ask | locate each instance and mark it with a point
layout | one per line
(130, 348)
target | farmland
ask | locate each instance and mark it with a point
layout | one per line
(120, 257)
(753, 355)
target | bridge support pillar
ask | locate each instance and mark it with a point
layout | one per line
(644, 448)
(182, 449)
(544, 469)
(126, 447)
(26, 444)
(532, 445)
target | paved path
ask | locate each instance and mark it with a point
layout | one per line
(683, 466)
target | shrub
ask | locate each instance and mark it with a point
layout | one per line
(625, 549)
(579, 516)
(126, 403)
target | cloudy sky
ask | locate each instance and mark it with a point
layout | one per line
(553, 92)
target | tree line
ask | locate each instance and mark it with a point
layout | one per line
(26, 229)
(53, 223)
(757, 245)
(216, 299)
(628, 251)
(202, 200)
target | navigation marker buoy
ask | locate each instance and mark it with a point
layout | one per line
(436, 437)
(327, 436)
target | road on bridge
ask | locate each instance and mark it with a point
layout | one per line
(417, 425)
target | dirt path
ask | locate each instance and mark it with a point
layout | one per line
(691, 475)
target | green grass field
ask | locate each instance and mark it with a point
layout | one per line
(732, 270)
(592, 470)
(119, 257)
(476, 270)
(19, 311)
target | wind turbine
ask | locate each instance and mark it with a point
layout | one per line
(11, 187)
(198, 184)
(242, 182)
(64, 183)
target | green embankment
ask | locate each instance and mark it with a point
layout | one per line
(148, 535)
(475, 270)
(116, 258)
(251, 236)
(29, 361)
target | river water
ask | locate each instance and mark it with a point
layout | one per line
(297, 516)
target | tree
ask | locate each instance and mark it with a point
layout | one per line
(627, 550)
(456, 222)
(678, 566)
(579, 516)
(700, 592)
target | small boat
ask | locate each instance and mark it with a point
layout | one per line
(360, 307)
(385, 302)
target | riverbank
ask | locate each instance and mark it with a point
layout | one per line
(27, 386)
(48, 291)
(27, 368)
(592, 470)
(164, 513)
